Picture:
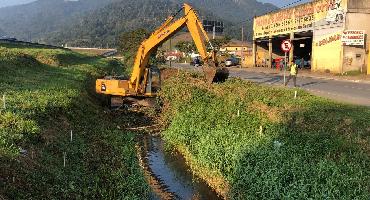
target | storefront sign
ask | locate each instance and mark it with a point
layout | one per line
(353, 37)
(328, 40)
(300, 18)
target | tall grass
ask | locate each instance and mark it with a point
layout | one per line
(48, 93)
(264, 144)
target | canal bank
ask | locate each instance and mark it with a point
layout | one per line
(266, 144)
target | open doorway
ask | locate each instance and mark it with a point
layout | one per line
(303, 49)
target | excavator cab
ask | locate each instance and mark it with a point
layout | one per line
(153, 84)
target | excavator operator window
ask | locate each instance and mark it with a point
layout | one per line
(154, 80)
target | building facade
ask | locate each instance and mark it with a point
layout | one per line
(327, 36)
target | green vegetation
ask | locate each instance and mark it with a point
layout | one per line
(48, 93)
(263, 144)
(351, 73)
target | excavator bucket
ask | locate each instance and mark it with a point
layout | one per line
(215, 74)
(209, 73)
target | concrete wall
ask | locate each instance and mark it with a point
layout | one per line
(327, 51)
(355, 57)
(359, 6)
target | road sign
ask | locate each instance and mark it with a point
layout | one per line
(286, 46)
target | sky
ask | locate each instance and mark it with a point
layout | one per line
(281, 3)
(4, 3)
(278, 3)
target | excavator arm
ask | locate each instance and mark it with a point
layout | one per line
(167, 30)
(136, 85)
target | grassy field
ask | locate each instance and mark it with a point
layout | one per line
(48, 94)
(251, 141)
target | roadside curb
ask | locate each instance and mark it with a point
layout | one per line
(308, 76)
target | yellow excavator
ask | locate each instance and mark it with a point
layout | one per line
(141, 82)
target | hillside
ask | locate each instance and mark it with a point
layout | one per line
(116, 18)
(232, 10)
(49, 94)
(33, 20)
(102, 26)
(94, 22)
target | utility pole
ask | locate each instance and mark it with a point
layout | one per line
(242, 51)
(214, 31)
(170, 51)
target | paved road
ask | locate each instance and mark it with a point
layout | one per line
(342, 91)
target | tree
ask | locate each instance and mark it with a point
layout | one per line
(186, 46)
(219, 42)
(129, 42)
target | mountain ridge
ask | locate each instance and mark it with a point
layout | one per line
(96, 22)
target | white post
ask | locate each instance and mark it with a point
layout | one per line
(64, 159)
(242, 51)
(295, 94)
(71, 135)
(238, 113)
(285, 67)
(4, 104)
(214, 32)
(261, 130)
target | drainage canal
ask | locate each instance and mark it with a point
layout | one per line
(168, 174)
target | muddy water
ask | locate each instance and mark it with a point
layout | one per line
(168, 174)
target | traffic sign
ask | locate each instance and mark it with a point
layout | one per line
(286, 46)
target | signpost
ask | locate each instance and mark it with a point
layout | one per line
(286, 46)
(353, 38)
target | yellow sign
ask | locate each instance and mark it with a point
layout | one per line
(300, 18)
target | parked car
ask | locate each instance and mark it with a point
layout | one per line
(196, 62)
(232, 62)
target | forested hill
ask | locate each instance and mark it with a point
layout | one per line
(232, 10)
(100, 22)
(33, 20)
(103, 26)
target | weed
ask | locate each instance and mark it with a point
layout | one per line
(50, 92)
(309, 147)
